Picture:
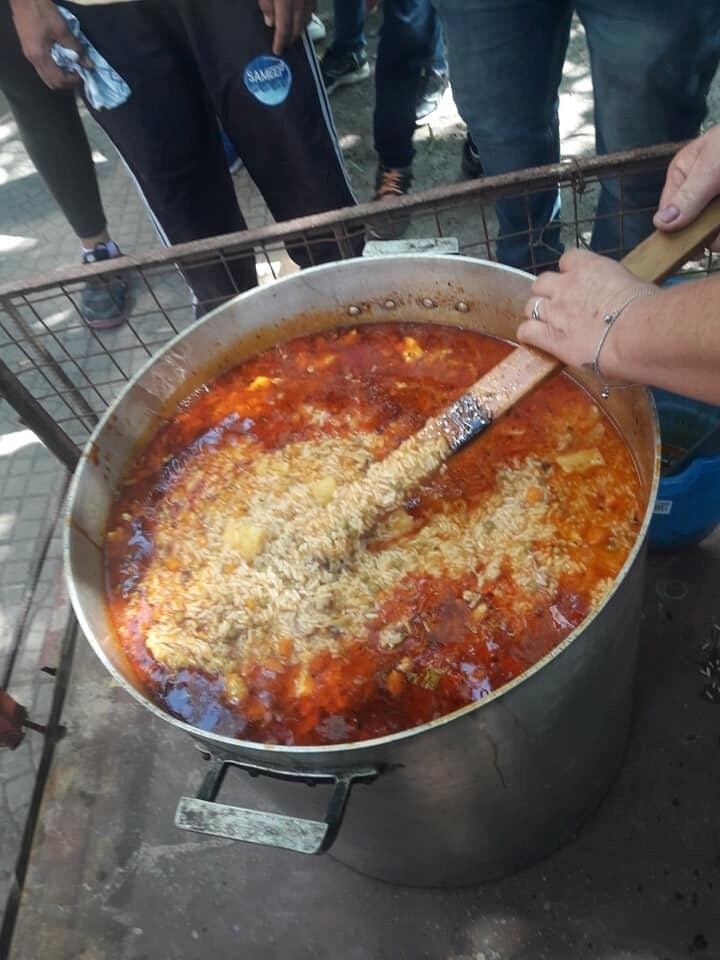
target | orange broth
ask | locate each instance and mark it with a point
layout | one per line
(450, 657)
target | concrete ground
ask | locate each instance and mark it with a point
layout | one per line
(641, 881)
(111, 878)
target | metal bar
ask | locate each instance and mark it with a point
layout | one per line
(54, 733)
(37, 418)
(150, 289)
(37, 727)
(344, 243)
(110, 355)
(213, 780)
(576, 211)
(438, 224)
(33, 576)
(456, 194)
(50, 360)
(161, 268)
(268, 261)
(39, 369)
(53, 361)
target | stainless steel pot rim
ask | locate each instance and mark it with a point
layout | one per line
(231, 743)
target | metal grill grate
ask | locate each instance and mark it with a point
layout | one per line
(59, 375)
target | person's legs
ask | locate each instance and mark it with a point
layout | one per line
(434, 80)
(506, 62)
(439, 58)
(349, 25)
(168, 134)
(51, 130)
(287, 141)
(408, 40)
(50, 127)
(652, 65)
(345, 61)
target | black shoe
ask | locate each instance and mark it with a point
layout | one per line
(471, 166)
(103, 301)
(389, 183)
(432, 87)
(343, 69)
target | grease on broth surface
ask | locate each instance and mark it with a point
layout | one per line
(482, 571)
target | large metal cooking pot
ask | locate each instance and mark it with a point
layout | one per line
(475, 794)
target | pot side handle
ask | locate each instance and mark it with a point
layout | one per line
(202, 814)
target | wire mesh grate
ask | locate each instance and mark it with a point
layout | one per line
(66, 374)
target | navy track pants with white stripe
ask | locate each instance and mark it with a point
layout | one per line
(185, 62)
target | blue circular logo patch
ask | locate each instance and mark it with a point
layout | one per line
(268, 79)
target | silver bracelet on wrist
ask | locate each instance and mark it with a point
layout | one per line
(609, 319)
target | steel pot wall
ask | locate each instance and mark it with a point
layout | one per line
(475, 794)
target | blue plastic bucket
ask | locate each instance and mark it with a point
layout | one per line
(687, 508)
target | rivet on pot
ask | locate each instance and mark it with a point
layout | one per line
(389, 304)
(427, 302)
(353, 310)
(462, 306)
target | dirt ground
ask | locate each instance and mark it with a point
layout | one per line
(438, 141)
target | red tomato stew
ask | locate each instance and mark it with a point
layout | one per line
(481, 571)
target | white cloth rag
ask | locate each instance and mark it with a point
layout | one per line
(104, 87)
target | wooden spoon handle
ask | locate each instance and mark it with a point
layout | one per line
(357, 506)
(660, 254)
(521, 371)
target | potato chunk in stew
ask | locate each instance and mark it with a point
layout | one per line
(234, 626)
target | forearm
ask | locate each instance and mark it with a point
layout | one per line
(671, 340)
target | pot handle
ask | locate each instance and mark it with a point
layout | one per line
(202, 814)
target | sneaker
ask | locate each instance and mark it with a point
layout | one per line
(432, 87)
(470, 164)
(103, 301)
(316, 29)
(343, 69)
(391, 182)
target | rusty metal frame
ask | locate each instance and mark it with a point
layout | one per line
(49, 373)
(342, 223)
(49, 379)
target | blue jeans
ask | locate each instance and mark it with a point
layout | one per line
(411, 40)
(652, 62)
(349, 18)
(349, 25)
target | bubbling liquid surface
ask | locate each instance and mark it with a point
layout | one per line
(484, 569)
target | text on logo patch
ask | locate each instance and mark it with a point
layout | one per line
(268, 79)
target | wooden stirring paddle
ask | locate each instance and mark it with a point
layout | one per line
(521, 371)
(327, 535)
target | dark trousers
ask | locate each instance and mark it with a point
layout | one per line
(411, 40)
(50, 127)
(651, 62)
(185, 62)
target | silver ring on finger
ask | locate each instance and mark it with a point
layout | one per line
(535, 312)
